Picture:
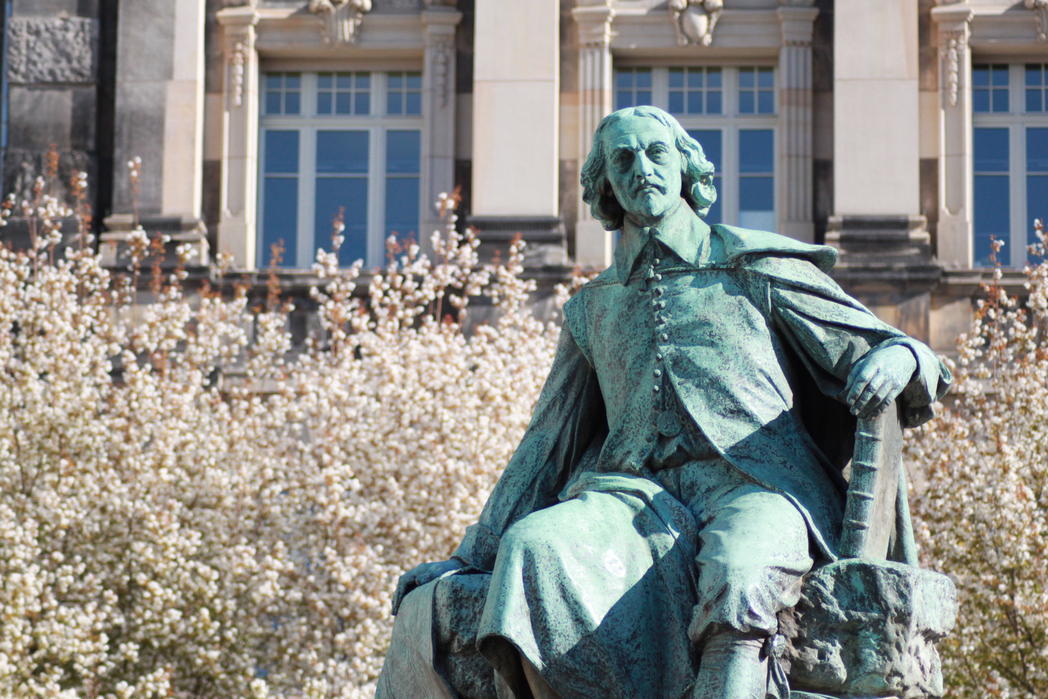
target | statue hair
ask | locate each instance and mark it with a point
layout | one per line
(696, 171)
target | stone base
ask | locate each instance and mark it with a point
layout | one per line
(543, 234)
(868, 629)
(180, 230)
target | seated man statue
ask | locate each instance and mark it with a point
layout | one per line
(682, 469)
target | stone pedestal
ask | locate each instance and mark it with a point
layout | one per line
(868, 629)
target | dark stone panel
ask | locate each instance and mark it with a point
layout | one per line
(822, 189)
(464, 49)
(82, 132)
(88, 8)
(568, 177)
(139, 132)
(929, 190)
(928, 55)
(211, 198)
(38, 117)
(464, 185)
(46, 8)
(105, 108)
(147, 28)
(22, 167)
(822, 47)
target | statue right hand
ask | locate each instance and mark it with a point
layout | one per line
(422, 574)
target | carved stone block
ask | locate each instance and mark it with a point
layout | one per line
(869, 628)
(51, 50)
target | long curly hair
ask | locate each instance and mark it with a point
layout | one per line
(696, 172)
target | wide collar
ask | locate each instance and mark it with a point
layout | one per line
(681, 230)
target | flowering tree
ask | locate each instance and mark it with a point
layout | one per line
(982, 510)
(190, 505)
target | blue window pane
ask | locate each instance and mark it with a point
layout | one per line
(1033, 73)
(695, 78)
(713, 103)
(695, 103)
(292, 103)
(999, 75)
(766, 78)
(980, 100)
(402, 151)
(395, 103)
(323, 103)
(980, 75)
(622, 100)
(676, 102)
(279, 218)
(414, 103)
(713, 77)
(643, 96)
(395, 81)
(362, 103)
(710, 140)
(342, 103)
(402, 207)
(643, 78)
(274, 81)
(746, 77)
(281, 151)
(756, 150)
(414, 81)
(362, 81)
(746, 103)
(1036, 204)
(990, 148)
(623, 78)
(1037, 150)
(757, 203)
(1000, 100)
(1033, 100)
(714, 214)
(343, 81)
(766, 103)
(342, 151)
(272, 103)
(991, 216)
(324, 81)
(676, 77)
(293, 81)
(350, 194)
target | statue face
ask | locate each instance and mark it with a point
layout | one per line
(643, 166)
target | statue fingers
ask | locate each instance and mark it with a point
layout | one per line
(870, 394)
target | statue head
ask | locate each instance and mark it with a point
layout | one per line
(642, 163)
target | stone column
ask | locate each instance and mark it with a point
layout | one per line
(237, 216)
(438, 137)
(884, 244)
(160, 113)
(952, 24)
(795, 119)
(516, 126)
(593, 244)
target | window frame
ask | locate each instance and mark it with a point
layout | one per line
(308, 122)
(1016, 120)
(730, 122)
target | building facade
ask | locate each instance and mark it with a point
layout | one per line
(907, 133)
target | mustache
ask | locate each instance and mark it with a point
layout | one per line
(641, 186)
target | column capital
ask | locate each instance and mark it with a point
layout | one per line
(238, 18)
(797, 24)
(952, 17)
(440, 20)
(594, 22)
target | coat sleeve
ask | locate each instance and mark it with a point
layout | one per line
(568, 417)
(830, 331)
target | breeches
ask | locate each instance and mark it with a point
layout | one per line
(753, 548)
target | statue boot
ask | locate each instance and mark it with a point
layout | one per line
(732, 667)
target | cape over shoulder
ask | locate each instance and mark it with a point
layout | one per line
(744, 242)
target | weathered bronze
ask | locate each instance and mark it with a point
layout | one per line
(682, 472)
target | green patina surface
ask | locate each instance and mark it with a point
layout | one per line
(682, 470)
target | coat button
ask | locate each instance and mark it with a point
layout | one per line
(659, 291)
(658, 373)
(658, 277)
(658, 356)
(663, 337)
(655, 389)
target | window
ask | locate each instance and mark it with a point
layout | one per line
(1009, 157)
(729, 110)
(334, 141)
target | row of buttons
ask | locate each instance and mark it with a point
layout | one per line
(667, 421)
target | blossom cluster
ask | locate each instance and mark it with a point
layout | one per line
(193, 504)
(981, 505)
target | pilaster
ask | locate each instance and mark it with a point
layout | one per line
(795, 119)
(438, 138)
(593, 244)
(237, 215)
(953, 32)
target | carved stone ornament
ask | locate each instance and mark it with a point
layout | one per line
(342, 18)
(951, 65)
(695, 20)
(1041, 8)
(236, 68)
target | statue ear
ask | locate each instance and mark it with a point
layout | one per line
(703, 194)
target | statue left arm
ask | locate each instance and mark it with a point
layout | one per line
(852, 355)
